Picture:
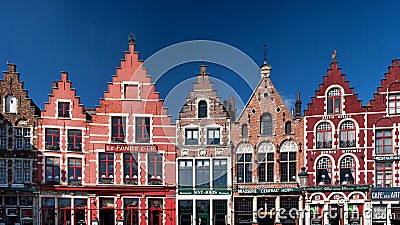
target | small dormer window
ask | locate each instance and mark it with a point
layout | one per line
(11, 104)
(202, 109)
(63, 109)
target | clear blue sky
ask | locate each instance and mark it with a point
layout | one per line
(87, 39)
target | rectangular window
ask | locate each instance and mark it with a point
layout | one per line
(220, 211)
(288, 166)
(52, 139)
(142, 130)
(118, 130)
(52, 170)
(3, 171)
(27, 138)
(384, 174)
(394, 104)
(26, 200)
(74, 140)
(383, 142)
(131, 168)
(191, 137)
(265, 170)
(22, 171)
(131, 211)
(63, 109)
(213, 136)
(185, 173)
(185, 212)
(3, 143)
(3, 131)
(74, 171)
(106, 168)
(131, 91)
(19, 143)
(244, 168)
(155, 167)
(202, 173)
(18, 131)
(220, 169)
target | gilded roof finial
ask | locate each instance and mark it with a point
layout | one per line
(334, 55)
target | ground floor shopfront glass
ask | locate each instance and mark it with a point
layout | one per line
(243, 208)
(16, 210)
(203, 212)
(59, 211)
(266, 211)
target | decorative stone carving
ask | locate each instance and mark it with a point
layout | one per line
(219, 151)
(265, 147)
(288, 146)
(185, 152)
(244, 148)
(203, 152)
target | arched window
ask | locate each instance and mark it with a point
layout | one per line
(244, 163)
(288, 161)
(347, 170)
(288, 127)
(11, 104)
(347, 134)
(202, 109)
(334, 97)
(324, 135)
(324, 171)
(266, 124)
(245, 130)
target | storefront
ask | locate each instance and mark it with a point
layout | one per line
(385, 206)
(17, 208)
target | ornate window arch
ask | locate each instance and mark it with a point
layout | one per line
(347, 134)
(244, 163)
(265, 162)
(324, 135)
(347, 170)
(324, 171)
(334, 97)
(288, 161)
(266, 124)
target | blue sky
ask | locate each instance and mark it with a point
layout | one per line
(88, 38)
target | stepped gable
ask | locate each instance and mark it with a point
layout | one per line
(391, 83)
(334, 77)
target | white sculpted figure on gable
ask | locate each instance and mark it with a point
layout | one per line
(289, 146)
(265, 147)
(244, 148)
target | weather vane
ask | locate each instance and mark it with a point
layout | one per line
(334, 55)
(265, 52)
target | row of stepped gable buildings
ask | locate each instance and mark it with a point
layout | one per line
(124, 162)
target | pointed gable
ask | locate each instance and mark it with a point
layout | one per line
(334, 79)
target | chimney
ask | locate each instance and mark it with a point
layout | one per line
(64, 76)
(298, 105)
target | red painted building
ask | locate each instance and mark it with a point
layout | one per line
(337, 155)
(114, 164)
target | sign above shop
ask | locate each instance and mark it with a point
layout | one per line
(386, 193)
(388, 158)
(203, 192)
(338, 188)
(259, 190)
(130, 148)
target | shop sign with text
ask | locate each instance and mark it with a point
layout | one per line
(203, 192)
(128, 148)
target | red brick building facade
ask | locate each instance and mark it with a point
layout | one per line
(18, 155)
(267, 157)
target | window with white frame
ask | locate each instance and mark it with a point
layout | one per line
(3, 137)
(202, 173)
(3, 171)
(394, 104)
(288, 161)
(383, 141)
(347, 170)
(27, 138)
(22, 171)
(220, 173)
(63, 109)
(347, 134)
(185, 173)
(324, 135)
(384, 174)
(324, 171)
(213, 136)
(244, 168)
(334, 101)
(19, 143)
(192, 136)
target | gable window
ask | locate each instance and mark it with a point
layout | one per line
(185, 173)
(131, 168)
(191, 137)
(383, 174)
(11, 104)
(265, 169)
(394, 104)
(244, 168)
(347, 134)
(334, 97)
(383, 142)
(266, 124)
(142, 130)
(52, 139)
(288, 127)
(22, 171)
(245, 130)
(220, 173)
(74, 140)
(52, 170)
(3, 171)
(63, 109)
(202, 109)
(324, 171)
(347, 170)
(118, 130)
(155, 167)
(213, 136)
(324, 135)
(74, 171)
(202, 173)
(106, 173)
(3, 137)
